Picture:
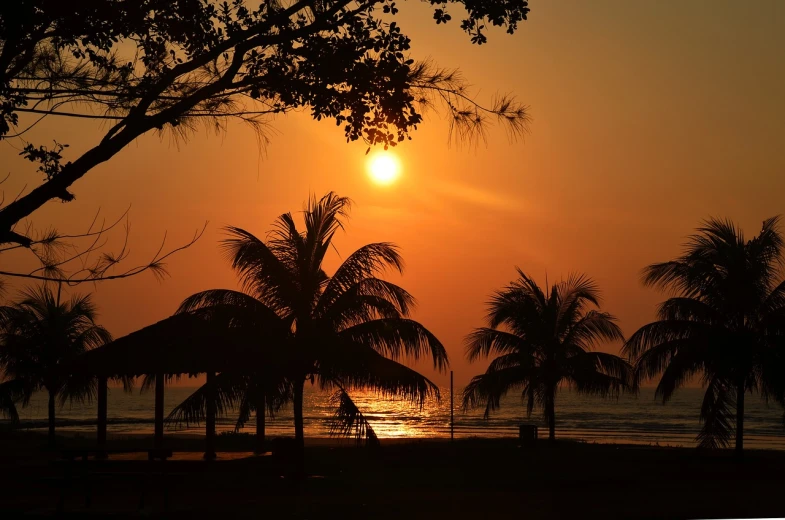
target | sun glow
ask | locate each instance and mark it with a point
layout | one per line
(384, 168)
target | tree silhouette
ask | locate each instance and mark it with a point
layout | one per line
(344, 331)
(724, 323)
(544, 341)
(38, 335)
(82, 257)
(152, 65)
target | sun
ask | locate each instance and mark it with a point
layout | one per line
(384, 168)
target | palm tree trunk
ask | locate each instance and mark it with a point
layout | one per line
(51, 419)
(550, 414)
(260, 422)
(299, 432)
(740, 418)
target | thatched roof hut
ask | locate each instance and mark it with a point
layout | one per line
(182, 344)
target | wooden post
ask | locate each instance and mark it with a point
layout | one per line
(260, 424)
(101, 432)
(452, 413)
(209, 452)
(159, 411)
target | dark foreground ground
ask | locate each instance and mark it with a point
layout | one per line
(431, 479)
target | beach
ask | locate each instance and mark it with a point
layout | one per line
(416, 478)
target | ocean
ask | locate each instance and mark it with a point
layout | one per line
(629, 419)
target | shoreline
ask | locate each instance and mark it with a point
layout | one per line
(590, 437)
(245, 442)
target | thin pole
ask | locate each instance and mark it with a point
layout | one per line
(260, 423)
(452, 405)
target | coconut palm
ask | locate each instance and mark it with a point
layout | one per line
(723, 323)
(543, 342)
(38, 335)
(346, 331)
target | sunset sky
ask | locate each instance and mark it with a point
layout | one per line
(646, 118)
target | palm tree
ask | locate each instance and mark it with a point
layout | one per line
(544, 341)
(724, 322)
(345, 331)
(39, 334)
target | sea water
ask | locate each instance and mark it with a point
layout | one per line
(640, 419)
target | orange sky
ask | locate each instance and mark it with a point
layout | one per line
(647, 117)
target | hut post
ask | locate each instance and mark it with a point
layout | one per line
(260, 423)
(101, 433)
(159, 411)
(209, 452)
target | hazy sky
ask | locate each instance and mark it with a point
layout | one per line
(647, 118)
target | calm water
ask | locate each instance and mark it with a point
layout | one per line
(640, 420)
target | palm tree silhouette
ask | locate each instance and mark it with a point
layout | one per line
(349, 330)
(724, 322)
(543, 341)
(39, 334)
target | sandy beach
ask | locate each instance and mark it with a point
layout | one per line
(416, 479)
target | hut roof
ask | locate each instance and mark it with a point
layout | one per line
(181, 344)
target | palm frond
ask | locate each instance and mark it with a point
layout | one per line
(323, 218)
(574, 295)
(226, 392)
(261, 271)
(619, 374)
(277, 394)
(667, 331)
(348, 420)
(359, 366)
(148, 381)
(90, 338)
(592, 328)
(485, 341)
(244, 410)
(688, 309)
(518, 306)
(716, 415)
(77, 388)
(369, 299)
(680, 368)
(369, 261)
(11, 393)
(487, 389)
(399, 338)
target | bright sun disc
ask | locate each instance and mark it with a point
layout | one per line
(384, 168)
